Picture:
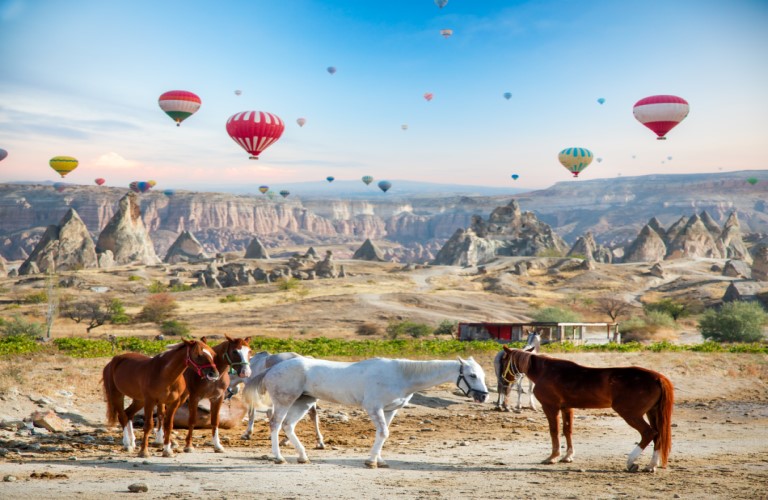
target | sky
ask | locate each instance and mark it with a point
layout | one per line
(82, 78)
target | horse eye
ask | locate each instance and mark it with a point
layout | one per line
(473, 376)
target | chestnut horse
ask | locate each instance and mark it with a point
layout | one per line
(153, 382)
(631, 391)
(504, 388)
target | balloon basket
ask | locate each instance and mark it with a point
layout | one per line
(661, 138)
(253, 157)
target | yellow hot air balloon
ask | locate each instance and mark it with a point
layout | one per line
(63, 164)
(575, 159)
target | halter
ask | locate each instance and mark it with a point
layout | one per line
(198, 368)
(469, 390)
(511, 369)
(232, 365)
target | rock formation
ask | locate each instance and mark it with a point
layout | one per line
(733, 246)
(125, 235)
(760, 262)
(737, 269)
(256, 250)
(186, 248)
(587, 247)
(369, 251)
(694, 240)
(326, 268)
(647, 247)
(63, 247)
(712, 226)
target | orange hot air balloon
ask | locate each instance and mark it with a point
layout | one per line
(99, 181)
(428, 96)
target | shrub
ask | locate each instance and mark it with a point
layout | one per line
(174, 327)
(287, 284)
(181, 287)
(157, 287)
(734, 322)
(556, 315)
(36, 298)
(368, 329)
(409, 328)
(89, 312)
(133, 277)
(671, 308)
(19, 327)
(158, 308)
(549, 252)
(116, 310)
(446, 327)
(650, 327)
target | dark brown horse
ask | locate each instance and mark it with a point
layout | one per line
(631, 391)
(152, 382)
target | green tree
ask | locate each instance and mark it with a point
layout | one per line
(734, 322)
(670, 307)
(409, 328)
(446, 327)
(556, 315)
(19, 327)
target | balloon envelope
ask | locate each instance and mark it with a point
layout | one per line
(63, 164)
(507, 95)
(255, 131)
(428, 96)
(284, 193)
(601, 100)
(515, 177)
(331, 70)
(661, 113)
(330, 178)
(3, 154)
(143, 186)
(99, 181)
(575, 159)
(385, 185)
(404, 126)
(59, 186)
(263, 189)
(169, 192)
(179, 104)
(446, 33)
(238, 92)
(367, 179)
(441, 3)
(599, 160)
(301, 121)
(134, 186)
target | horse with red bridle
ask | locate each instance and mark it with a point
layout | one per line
(151, 382)
(631, 391)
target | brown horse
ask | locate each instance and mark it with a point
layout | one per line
(153, 382)
(631, 391)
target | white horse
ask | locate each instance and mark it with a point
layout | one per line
(261, 362)
(380, 386)
(505, 388)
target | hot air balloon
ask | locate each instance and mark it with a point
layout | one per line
(515, 177)
(661, 113)
(271, 195)
(752, 180)
(599, 160)
(238, 92)
(134, 186)
(179, 104)
(507, 95)
(3, 154)
(301, 121)
(284, 193)
(330, 178)
(575, 159)
(385, 185)
(169, 192)
(255, 131)
(152, 183)
(331, 70)
(99, 181)
(143, 186)
(367, 179)
(601, 101)
(669, 158)
(59, 186)
(63, 164)
(263, 189)
(428, 96)
(404, 126)
(441, 3)
(446, 33)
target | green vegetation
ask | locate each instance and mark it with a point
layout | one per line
(734, 322)
(673, 309)
(233, 298)
(408, 328)
(133, 277)
(117, 314)
(158, 308)
(19, 327)
(556, 315)
(36, 298)
(157, 287)
(446, 327)
(288, 284)
(174, 327)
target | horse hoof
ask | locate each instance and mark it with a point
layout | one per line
(280, 460)
(320, 446)
(381, 464)
(371, 464)
(633, 468)
(566, 460)
(219, 450)
(245, 436)
(549, 461)
(167, 454)
(189, 449)
(303, 460)
(650, 470)
(144, 454)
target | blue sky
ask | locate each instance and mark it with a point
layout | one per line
(82, 78)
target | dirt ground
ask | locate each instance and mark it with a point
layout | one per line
(441, 446)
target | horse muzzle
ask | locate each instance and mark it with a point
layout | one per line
(479, 396)
(212, 375)
(245, 372)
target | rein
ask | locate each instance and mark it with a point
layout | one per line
(198, 368)
(469, 388)
(511, 369)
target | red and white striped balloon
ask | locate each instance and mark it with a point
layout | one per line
(661, 113)
(255, 131)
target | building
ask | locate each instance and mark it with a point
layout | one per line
(577, 333)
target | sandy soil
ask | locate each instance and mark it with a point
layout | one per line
(441, 446)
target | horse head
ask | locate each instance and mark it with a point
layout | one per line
(514, 363)
(238, 356)
(471, 380)
(201, 357)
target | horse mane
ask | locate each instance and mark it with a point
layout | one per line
(522, 359)
(410, 367)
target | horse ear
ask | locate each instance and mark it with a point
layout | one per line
(507, 348)
(204, 340)
(228, 338)
(247, 340)
(461, 360)
(190, 342)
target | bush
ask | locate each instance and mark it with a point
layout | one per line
(556, 315)
(734, 322)
(646, 328)
(671, 308)
(446, 327)
(158, 308)
(157, 287)
(409, 328)
(181, 287)
(36, 298)
(116, 310)
(232, 298)
(368, 329)
(174, 327)
(287, 284)
(19, 327)
(133, 277)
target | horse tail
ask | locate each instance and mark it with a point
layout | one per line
(254, 391)
(663, 410)
(109, 389)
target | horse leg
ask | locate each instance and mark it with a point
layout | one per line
(170, 414)
(192, 408)
(296, 412)
(568, 431)
(215, 407)
(647, 434)
(251, 417)
(379, 420)
(519, 384)
(531, 397)
(316, 420)
(552, 413)
(503, 388)
(149, 408)
(159, 426)
(279, 413)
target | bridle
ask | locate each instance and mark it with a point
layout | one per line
(232, 364)
(469, 390)
(511, 369)
(198, 367)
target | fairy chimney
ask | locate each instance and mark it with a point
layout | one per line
(126, 236)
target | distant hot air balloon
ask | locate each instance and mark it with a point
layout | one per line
(301, 121)
(152, 183)
(428, 96)
(284, 193)
(367, 179)
(255, 131)
(63, 164)
(385, 185)
(134, 186)
(575, 159)
(601, 101)
(404, 126)
(238, 92)
(143, 186)
(59, 186)
(661, 113)
(3, 154)
(441, 3)
(331, 70)
(179, 104)
(330, 178)
(599, 160)
(515, 177)
(752, 180)
(446, 33)
(271, 195)
(169, 192)
(669, 157)
(99, 181)
(507, 95)
(263, 189)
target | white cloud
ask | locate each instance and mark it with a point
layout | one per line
(113, 160)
